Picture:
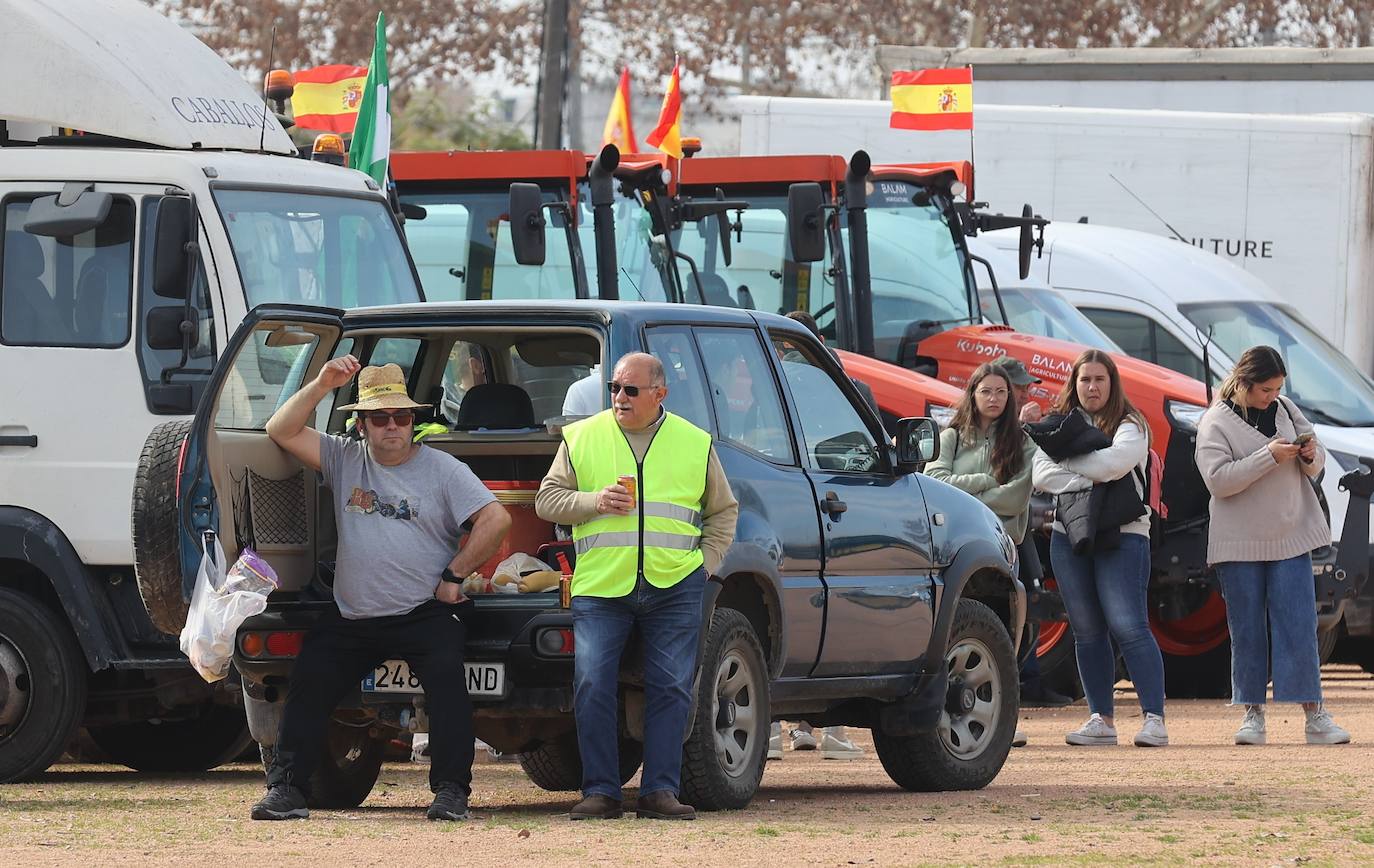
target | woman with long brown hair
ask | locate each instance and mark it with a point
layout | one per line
(1257, 452)
(985, 452)
(1104, 589)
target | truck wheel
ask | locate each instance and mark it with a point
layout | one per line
(42, 686)
(1057, 659)
(556, 765)
(723, 757)
(1326, 643)
(1199, 676)
(215, 736)
(967, 748)
(349, 767)
(156, 528)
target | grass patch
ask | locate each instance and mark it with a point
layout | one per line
(766, 831)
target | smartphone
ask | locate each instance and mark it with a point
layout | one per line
(1303, 438)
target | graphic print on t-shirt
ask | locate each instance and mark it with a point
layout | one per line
(368, 502)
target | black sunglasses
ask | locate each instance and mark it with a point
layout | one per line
(631, 391)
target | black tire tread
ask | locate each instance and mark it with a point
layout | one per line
(556, 765)
(59, 676)
(157, 555)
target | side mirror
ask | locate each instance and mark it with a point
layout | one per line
(527, 223)
(723, 224)
(918, 441)
(171, 258)
(1023, 250)
(163, 327)
(411, 211)
(805, 226)
(75, 210)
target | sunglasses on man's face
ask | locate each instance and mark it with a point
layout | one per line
(402, 418)
(630, 391)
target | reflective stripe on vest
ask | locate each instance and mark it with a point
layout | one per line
(664, 532)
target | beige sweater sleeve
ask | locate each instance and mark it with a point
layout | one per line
(1223, 472)
(558, 499)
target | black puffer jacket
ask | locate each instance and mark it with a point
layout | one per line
(1091, 518)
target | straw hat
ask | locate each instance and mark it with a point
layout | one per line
(382, 388)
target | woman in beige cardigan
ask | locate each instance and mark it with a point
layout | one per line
(1256, 452)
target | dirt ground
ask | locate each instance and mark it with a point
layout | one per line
(1201, 799)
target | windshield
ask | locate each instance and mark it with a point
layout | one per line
(917, 268)
(337, 251)
(462, 248)
(1044, 312)
(1323, 382)
(641, 256)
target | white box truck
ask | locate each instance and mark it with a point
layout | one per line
(1289, 198)
(129, 255)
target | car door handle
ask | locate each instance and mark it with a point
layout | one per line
(19, 440)
(832, 504)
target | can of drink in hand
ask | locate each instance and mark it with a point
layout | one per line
(628, 483)
(565, 591)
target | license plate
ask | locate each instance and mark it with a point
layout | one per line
(394, 676)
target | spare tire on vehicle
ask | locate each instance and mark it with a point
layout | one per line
(157, 554)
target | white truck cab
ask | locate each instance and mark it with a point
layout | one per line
(131, 250)
(1161, 300)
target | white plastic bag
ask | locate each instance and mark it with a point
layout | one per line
(220, 603)
(517, 565)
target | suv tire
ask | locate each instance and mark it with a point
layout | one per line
(218, 734)
(723, 757)
(42, 686)
(967, 748)
(556, 765)
(156, 527)
(347, 769)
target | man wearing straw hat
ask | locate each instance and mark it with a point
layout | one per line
(401, 508)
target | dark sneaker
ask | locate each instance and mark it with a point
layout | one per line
(450, 803)
(596, 808)
(663, 805)
(282, 802)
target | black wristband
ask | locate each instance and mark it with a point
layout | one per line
(448, 576)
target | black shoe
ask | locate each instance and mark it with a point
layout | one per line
(596, 808)
(1041, 696)
(282, 802)
(450, 803)
(663, 805)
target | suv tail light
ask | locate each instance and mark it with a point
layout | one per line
(556, 642)
(284, 643)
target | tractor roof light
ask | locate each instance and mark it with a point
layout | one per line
(690, 145)
(328, 148)
(278, 87)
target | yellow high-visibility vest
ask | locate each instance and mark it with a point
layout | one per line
(661, 537)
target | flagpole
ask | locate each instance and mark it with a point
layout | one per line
(973, 166)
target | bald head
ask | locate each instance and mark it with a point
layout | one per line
(644, 363)
(642, 374)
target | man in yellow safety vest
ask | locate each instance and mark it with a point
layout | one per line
(652, 515)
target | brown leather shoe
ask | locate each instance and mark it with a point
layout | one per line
(663, 805)
(596, 808)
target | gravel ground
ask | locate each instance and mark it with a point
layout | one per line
(1201, 799)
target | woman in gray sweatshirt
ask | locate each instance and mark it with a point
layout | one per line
(1256, 452)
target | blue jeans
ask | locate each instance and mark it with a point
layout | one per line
(1104, 594)
(1281, 593)
(670, 626)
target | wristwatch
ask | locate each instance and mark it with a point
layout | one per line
(448, 576)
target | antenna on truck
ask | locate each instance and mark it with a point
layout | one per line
(1148, 208)
(271, 56)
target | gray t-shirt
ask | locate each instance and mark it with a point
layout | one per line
(398, 526)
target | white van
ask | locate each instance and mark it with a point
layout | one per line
(130, 253)
(1160, 299)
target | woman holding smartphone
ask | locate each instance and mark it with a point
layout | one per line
(1257, 454)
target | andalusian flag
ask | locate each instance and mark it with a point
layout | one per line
(327, 97)
(932, 99)
(371, 146)
(667, 136)
(620, 129)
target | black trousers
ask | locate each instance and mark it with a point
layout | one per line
(336, 655)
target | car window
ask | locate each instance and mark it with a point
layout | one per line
(672, 345)
(67, 292)
(834, 433)
(268, 370)
(744, 394)
(1143, 338)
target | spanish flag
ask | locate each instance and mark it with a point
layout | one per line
(932, 99)
(328, 97)
(620, 128)
(667, 136)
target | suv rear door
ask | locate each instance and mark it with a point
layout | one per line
(233, 478)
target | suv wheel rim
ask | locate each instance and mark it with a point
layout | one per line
(974, 700)
(735, 713)
(14, 687)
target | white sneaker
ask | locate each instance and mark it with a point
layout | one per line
(803, 740)
(1095, 731)
(775, 742)
(1321, 729)
(835, 746)
(1252, 727)
(1152, 732)
(419, 748)
(1019, 738)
